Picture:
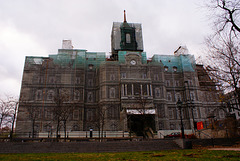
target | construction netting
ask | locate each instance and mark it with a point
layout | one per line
(178, 63)
(76, 58)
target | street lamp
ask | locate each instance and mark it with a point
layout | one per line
(179, 105)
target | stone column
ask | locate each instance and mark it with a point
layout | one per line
(147, 89)
(132, 90)
(125, 89)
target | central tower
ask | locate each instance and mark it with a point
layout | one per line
(126, 37)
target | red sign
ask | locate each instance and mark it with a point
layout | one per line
(199, 125)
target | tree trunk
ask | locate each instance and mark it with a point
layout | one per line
(57, 130)
(13, 122)
(1, 122)
(33, 126)
(65, 130)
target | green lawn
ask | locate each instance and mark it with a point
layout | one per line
(133, 156)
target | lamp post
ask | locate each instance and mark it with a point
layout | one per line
(179, 105)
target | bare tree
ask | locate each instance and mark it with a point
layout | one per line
(33, 115)
(5, 110)
(223, 46)
(66, 111)
(225, 14)
(224, 66)
(100, 120)
(62, 110)
(11, 104)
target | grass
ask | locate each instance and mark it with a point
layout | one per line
(130, 156)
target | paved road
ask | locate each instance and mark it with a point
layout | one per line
(86, 147)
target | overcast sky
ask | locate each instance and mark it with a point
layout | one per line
(37, 28)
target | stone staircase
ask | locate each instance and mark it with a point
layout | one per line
(86, 147)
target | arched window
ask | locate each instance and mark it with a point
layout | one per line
(113, 127)
(128, 38)
(90, 97)
(38, 95)
(165, 68)
(112, 93)
(50, 95)
(157, 93)
(75, 128)
(174, 69)
(169, 96)
(76, 95)
(112, 77)
(178, 97)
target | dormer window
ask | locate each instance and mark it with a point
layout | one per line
(174, 69)
(90, 66)
(165, 68)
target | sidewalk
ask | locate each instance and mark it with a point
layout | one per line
(230, 148)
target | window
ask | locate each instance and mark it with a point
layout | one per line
(157, 93)
(144, 75)
(168, 83)
(123, 90)
(90, 82)
(221, 114)
(129, 89)
(172, 126)
(176, 83)
(47, 113)
(51, 80)
(75, 128)
(113, 127)
(123, 75)
(192, 95)
(112, 93)
(90, 97)
(170, 113)
(41, 80)
(34, 113)
(128, 38)
(90, 115)
(112, 77)
(169, 96)
(160, 110)
(178, 97)
(39, 95)
(165, 68)
(195, 113)
(78, 80)
(90, 66)
(75, 114)
(77, 95)
(113, 112)
(190, 82)
(161, 126)
(50, 95)
(174, 69)
(156, 77)
(136, 89)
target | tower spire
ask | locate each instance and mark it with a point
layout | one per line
(125, 20)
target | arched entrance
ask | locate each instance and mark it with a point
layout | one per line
(142, 125)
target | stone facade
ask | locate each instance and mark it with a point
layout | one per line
(126, 92)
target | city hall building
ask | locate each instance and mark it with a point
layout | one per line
(121, 94)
